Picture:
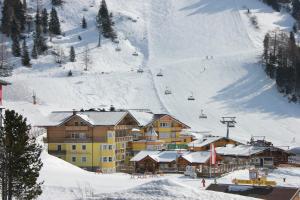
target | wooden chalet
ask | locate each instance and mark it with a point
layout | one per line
(204, 144)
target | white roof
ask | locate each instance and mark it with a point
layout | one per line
(143, 154)
(142, 117)
(158, 156)
(239, 150)
(92, 117)
(197, 157)
(204, 141)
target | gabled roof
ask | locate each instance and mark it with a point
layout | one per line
(204, 141)
(158, 156)
(197, 157)
(91, 117)
(240, 150)
(148, 118)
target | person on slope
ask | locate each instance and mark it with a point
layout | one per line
(203, 182)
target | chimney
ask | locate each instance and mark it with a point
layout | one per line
(74, 112)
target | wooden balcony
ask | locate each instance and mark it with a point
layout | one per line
(77, 128)
(124, 139)
(78, 140)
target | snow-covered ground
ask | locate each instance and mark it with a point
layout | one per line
(68, 182)
(207, 48)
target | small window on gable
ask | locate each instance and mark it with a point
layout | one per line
(76, 123)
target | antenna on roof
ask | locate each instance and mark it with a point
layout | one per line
(230, 122)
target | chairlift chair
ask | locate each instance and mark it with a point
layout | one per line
(135, 54)
(159, 73)
(231, 125)
(118, 48)
(168, 91)
(191, 98)
(140, 70)
(202, 115)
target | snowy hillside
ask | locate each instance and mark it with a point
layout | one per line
(203, 47)
(207, 48)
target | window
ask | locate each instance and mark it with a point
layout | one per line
(76, 123)
(104, 159)
(123, 157)
(74, 135)
(123, 145)
(104, 146)
(83, 159)
(73, 159)
(109, 159)
(110, 147)
(59, 147)
(83, 147)
(73, 147)
(110, 135)
(82, 123)
(164, 125)
(82, 135)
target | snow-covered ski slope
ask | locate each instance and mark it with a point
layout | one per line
(207, 48)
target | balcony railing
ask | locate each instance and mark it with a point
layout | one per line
(77, 128)
(124, 139)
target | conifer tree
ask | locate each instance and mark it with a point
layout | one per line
(39, 40)
(83, 23)
(20, 160)
(72, 54)
(6, 18)
(105, 21)
(54, 24)
(25, 55)
(19, 13)
(15, 31)
(44, 20)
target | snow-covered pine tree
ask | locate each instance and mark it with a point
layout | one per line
(105, 22)
(20, 161)
(44, 21)
(19, 12)
(54, 24)
(39, 40)
(83, 23)
(72, 54)
(25, 55)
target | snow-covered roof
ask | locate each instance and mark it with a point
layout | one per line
(295, 150)
(142, 154)
(94, 118)
(143, 118)
(159, 156)
(205, 141)
(239, 150)
(197, 157)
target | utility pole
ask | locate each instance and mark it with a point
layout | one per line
(230, 122)
(99, 25)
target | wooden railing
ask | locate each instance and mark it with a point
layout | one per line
(124, 139)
